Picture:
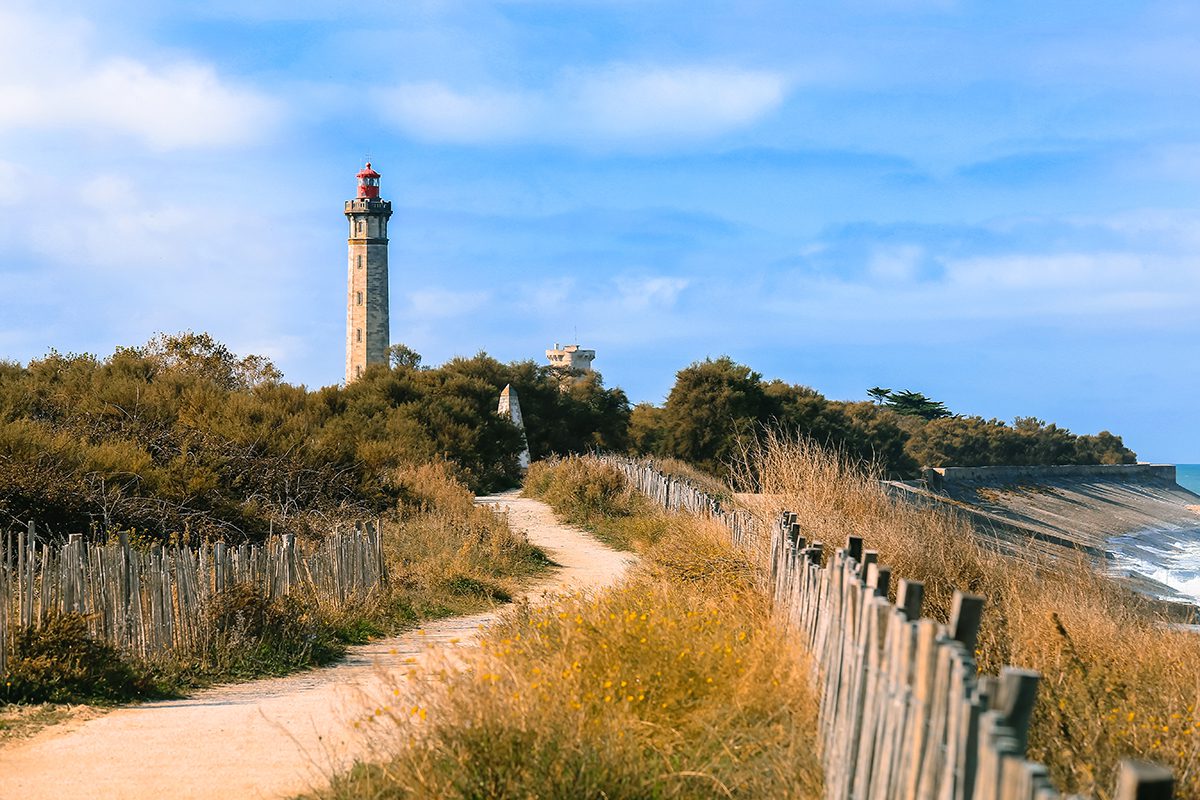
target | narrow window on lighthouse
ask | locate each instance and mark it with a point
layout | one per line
(358, 334)
(360, 262)
(360, 298)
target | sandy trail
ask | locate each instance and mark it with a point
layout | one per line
(278, 737)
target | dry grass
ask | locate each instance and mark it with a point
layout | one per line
(675, 684)
(444, 556)
(1116, 681)
(448, 555)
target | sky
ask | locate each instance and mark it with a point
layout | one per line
(993, 203)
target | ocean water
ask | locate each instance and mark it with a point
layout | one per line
(1169, 557)
(1188, 476)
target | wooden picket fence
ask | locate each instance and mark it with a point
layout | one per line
(152, 601)
(680, 495)
(904, 714)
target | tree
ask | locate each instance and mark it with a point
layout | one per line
(647, 429)
(879, 395)
(711, 405)
(401, 356)
(915, 404)
(976, 442)
(202, 356)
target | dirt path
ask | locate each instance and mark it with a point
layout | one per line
(271, 738)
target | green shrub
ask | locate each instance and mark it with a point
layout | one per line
(180, 438)
(253, 635)
(60, 663)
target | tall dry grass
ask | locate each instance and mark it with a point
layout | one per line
(1116, 681)
(445, 554)
(675, 684)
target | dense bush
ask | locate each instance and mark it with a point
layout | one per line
(976, 442)
(59, 663)
(252, 635)
(181, 436)
(717, 407)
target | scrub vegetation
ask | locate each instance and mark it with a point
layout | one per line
(716, 404)
(182, 438)
(674, 684)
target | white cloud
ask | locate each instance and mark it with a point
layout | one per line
(1080, 272)
(659, 292)
(52, 78)
(617, 104)
(107, 191)
(435, 112)
(1138, 290)
(628, 102)
(1175, 230)
(13, 179)
(140, 259)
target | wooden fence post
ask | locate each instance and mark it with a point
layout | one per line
(854, 548)
(965, 616)
(869, 557)
(1018, 692)
(30, 553)
(1140, 780)
(883, 580)
(909, 597)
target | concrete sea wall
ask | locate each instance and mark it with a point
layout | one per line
(1135, 517)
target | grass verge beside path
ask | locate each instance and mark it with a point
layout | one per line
(674, 684)
(23, 721)
(1116, 682)
(445, 556)
(598, 499)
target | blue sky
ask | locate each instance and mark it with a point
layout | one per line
(994, 203)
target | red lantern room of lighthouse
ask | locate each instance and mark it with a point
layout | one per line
(368, 182)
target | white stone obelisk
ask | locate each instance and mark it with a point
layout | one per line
(510, 409)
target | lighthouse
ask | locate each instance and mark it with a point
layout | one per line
(367, 328)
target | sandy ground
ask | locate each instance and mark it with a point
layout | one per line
(272, 738)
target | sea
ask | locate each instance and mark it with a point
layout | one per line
(1188, 476)
(1170, 557)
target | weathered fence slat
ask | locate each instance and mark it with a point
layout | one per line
(152, 602)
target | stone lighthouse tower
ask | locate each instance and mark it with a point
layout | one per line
(367, 330)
